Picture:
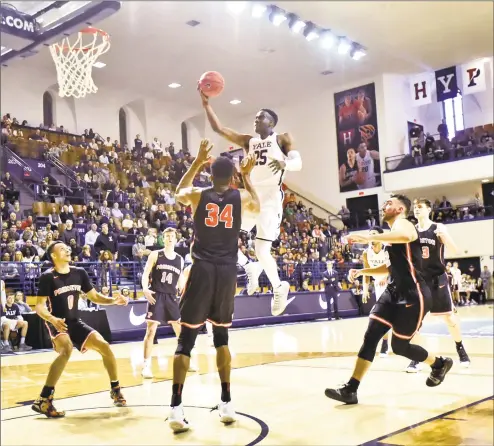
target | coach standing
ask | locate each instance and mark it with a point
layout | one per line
(332, 289)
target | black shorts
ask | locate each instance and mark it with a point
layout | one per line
(403, 311)
(77, 330)
(209, 295)
(165, 310)
(442, 301)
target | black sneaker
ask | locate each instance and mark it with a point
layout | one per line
(464, 359)
(437, 375)
(343, 394)
(384, 349)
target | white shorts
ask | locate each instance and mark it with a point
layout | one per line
(268, 221)
(12, 323)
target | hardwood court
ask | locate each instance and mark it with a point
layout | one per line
(277, 387)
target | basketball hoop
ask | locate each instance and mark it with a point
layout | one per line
(74, 61)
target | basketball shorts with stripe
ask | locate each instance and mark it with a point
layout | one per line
(165, 310)
(77, 330)
(209, 294)
(442, 301)
(403, 311)
(268, 221)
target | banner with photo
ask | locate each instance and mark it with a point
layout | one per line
(357, 138)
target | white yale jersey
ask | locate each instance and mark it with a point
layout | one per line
(264, 150)
(366, 166)
(375, 260)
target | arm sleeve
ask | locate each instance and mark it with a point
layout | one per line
(86, 284)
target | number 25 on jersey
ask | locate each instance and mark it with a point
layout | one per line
(215, 217)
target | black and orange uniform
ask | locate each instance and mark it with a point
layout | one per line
(407, 298)
(63, 291)
(164, 280)
(210, 290)
(350, 173)
(434, 270)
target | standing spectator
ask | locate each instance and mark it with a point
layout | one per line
(486, 277)
(106, 242)
(358, 292)
(332, 288)
(91, 235)
(442, 129)
(69, 232)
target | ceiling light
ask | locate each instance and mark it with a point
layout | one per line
(357, 53)
(311, 32)
(99, 65)
(258, 10)
(236, 7)
(174, 85)
(296, 24)
(277, 16)
(235, 101)
(327, 39)
(344, 45)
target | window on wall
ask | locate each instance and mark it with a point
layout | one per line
(48, 109)
(185, 143)
(453, 114)
(122, 123)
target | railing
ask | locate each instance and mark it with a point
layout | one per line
(454, 214)
(63, 168)
(10, 157)
(405, 162)
(24, 276)
(333, 219)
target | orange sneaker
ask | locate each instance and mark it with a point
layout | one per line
(118, 398)
(45, 406)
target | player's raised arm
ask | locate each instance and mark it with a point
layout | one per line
(250, 199)
(231, 135)
(185, 192)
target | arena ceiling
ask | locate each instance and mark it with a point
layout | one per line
(264, 65)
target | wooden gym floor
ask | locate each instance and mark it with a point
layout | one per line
(277, 388)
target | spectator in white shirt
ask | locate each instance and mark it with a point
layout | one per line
(91, 236)
(456, 272)
(170, 198)
(93, 144)
(103, 159)
(149, 155)
(116, 212)
(150, 239)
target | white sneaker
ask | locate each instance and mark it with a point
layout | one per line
(413, 367)
(383, 354)
(279, 300)
(176, 420)
(146, 372)
(253, 271)
(227, 412)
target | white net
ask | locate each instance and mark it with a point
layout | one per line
(74, 61)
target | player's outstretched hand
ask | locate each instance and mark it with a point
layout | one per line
(204, 154)
(148, 294)
(120, 299)
(247, 164)
(354, 238)
(353, 274)
(276, 165)
(205, 99)
(59, 324)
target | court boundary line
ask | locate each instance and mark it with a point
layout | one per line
(262, 424)
(377, 441)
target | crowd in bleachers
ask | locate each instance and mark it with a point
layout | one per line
(119, 200)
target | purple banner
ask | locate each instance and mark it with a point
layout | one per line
(30, 170)
(249, 311)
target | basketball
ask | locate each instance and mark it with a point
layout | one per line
(211, 83)
(360, 178)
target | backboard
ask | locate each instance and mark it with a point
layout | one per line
(26, 25)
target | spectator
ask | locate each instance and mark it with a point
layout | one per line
(91, 235)
(19, 301)
(11, 322)
(69, 232)
(106, 242)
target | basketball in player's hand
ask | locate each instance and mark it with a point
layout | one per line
(360, 178)
(211, 83)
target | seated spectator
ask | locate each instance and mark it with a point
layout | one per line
(116, 212)
(36, 136)
(69, 232)
(19, 301)
(11, 321)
